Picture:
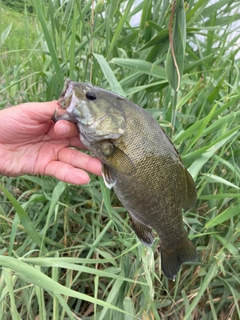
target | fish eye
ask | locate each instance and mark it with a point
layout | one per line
(91, 95)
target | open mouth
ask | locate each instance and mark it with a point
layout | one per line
(73, 102)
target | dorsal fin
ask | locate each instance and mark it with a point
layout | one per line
(191, 194)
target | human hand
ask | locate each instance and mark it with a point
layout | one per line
(30, 143)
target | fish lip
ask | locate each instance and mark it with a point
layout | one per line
(73, 102)
(65, 116)
(65, 94)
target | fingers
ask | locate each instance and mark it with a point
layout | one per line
(80, 160)
(71, 165)
(39, 111)
(65, 129)
(67, 173)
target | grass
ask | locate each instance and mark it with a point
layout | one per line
(68, 252)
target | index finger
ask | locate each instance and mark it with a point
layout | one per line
(40, 111)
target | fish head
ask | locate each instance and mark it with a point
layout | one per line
(97, 112)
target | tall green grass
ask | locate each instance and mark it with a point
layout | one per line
(67, 252)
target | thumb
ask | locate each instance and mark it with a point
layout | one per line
(65, 129)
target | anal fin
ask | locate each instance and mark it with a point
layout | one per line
(143, 232)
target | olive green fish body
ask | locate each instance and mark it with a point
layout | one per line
(145, 170)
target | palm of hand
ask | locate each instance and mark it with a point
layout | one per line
(31, 143)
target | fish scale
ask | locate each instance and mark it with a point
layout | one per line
(141, 164)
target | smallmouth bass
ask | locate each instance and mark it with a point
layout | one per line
(141, 164)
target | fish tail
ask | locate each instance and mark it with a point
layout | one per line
(173, 258)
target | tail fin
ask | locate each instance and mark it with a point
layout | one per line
(173, 258)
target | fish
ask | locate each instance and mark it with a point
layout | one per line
(140, 163)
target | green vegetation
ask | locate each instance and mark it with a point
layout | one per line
(19, 5)
(68, 251)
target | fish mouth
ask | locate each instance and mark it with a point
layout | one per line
(74, 100)
(66, 116)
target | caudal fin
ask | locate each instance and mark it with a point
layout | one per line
(173, 258)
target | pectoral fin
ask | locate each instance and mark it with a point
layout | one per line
(143, 232)
(122, 162)
(108, 177)
(117, 158)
